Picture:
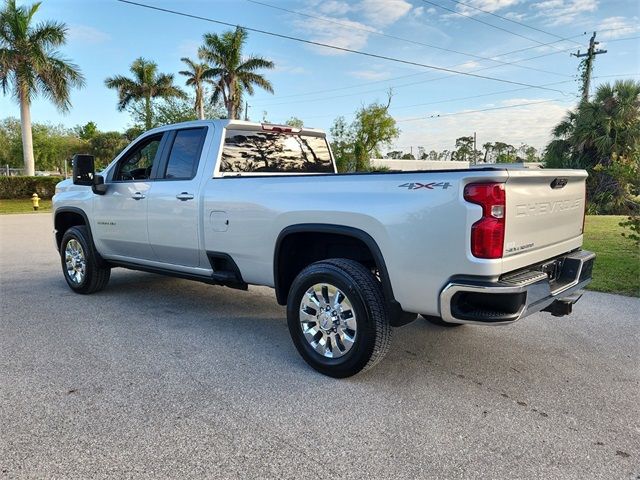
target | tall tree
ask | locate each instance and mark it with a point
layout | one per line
(145, 86)
(31, 65)
(235, 75)
(603, 136)
(197, 75)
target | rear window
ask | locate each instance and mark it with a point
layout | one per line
(268, 152)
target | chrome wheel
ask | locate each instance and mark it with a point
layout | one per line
(75, 261)
(328, 320)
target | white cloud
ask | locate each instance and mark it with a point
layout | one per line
(487, 5)
(339, 35)
(370, 74)
(470, 65)
(431, 11)
(418, 11)
(384, 12)
(618, 27)
(531, 125)
(564, 12)
(333, 7)
(87, 34)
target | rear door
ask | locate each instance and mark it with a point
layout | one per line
(544, 208)
(173, 212)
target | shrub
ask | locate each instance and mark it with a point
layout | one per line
(24, 187)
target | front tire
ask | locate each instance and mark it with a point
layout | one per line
(80, 263)
(337, 317)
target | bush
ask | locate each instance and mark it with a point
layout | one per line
(24, 187)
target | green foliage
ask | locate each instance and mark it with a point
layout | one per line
(408, 156)
(29, 63)
(105, 146)
(10, 143)
(355, 144)
(176, 110)
(295, 122)
(138, 93)
(86, 131)
(24, 187)
(603, 137)
(232, 73)
(464, 148)
(394, 154)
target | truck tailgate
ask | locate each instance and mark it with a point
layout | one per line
(543, 208)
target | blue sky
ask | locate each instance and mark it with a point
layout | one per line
(317, 84)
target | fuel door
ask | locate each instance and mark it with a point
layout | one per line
(219, 221)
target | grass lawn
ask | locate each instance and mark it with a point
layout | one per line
(617, 267)
(23, 206)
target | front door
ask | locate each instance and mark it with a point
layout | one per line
(173, 213)
(121, 213)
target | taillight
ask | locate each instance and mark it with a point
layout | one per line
(487, 234)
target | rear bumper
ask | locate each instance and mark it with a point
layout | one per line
(517, 295)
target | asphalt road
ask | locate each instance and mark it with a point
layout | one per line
(163, 378)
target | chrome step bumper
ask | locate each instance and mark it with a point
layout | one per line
(553, 286)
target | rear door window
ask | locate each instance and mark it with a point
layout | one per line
(248, 151)
(184, 156)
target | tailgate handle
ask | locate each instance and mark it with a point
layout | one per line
(559, 182)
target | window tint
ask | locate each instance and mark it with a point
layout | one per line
(185, 153)
(263, 152)
(136, 165)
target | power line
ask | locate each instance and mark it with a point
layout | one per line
(483, 22)
(465, 112)
(506, 19)
(394, 37)
(364, 84)
(335, 47)
(447, 100)
(271, 104)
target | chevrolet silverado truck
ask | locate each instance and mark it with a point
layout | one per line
(351, 256)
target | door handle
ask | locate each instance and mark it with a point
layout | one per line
(137, 196)
(184, 196)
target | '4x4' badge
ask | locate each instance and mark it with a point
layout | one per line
(428, 186)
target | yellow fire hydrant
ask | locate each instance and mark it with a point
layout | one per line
(35, 200)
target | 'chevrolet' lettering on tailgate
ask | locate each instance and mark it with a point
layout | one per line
(544, 208)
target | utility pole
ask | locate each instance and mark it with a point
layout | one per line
(246, 111)
(588, 67)
(475, 157)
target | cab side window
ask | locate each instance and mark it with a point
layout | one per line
(185, 154)
(137, 163)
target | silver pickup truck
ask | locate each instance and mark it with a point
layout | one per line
(351, 255)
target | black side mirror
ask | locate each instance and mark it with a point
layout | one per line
(83, 169)
(98, 186)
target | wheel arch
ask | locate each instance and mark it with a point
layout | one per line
(359, 239)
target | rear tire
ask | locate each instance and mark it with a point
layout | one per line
(439, 322)
(80, 264)
(337, 317)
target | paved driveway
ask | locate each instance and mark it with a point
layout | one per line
(164, 378)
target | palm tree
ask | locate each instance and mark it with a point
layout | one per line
(197, 75)
(235, 74)
(30, 65)
(145, 86)
(601, 135)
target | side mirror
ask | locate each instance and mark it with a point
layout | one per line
(83, 169)
(98, 186)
